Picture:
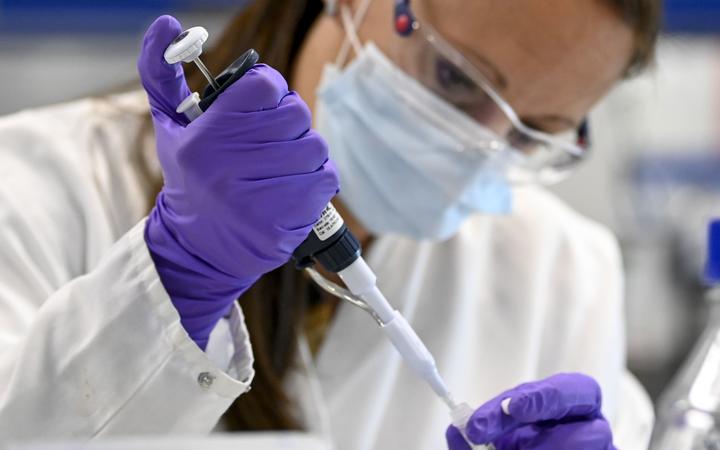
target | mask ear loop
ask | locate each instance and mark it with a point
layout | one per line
(351, 25)
(331, 7)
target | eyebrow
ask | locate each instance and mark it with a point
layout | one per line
(500, 81)
(496, 76)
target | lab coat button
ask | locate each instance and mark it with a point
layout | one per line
(205, 380)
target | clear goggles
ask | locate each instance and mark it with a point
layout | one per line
(533, 156)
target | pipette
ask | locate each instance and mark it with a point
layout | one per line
(362, 291)
(330, 244)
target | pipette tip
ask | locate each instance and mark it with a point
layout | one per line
(450, 401)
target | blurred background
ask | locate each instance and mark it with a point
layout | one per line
(52, 51)
(653, 177)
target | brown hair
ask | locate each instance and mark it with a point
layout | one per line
(643, 16)
(275, 306)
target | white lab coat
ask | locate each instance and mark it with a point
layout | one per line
(91, 346)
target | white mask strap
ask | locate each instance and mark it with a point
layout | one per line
(351, 24)
(331, 7)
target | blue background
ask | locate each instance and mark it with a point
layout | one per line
(684, 16)
(695, 16)
(96, 16)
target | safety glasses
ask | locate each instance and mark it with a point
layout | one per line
(533, 156)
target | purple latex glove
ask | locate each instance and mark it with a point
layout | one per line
(560, 412)
(244, 183)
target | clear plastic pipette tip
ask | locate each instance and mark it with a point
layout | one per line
(460, 414)
(450, 401)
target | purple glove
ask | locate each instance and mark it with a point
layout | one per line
(244, 183)
(560, 412)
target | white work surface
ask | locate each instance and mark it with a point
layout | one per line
(260, 441)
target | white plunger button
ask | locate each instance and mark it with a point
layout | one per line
(186, 47)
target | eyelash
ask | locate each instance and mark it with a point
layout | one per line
(448, 77)
(535, 126)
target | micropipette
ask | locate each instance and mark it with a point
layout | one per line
(331, 244)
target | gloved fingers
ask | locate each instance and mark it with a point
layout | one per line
(261, 88)
(558, 397)
(555, 398)
(455, 439)
(332, 180)
(318, 187)
(164, 83)
(290, 120)
(594, 434)
(250, 162)
(287, 121)
(275, 211)
(306, 154)
(516, 439)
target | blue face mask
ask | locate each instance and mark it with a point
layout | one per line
(409, 163)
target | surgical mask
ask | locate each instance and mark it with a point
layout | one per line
(409, 162)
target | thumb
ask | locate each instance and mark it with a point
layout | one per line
(455, 439)
(164, 83)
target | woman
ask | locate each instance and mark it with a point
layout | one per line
(114, 324)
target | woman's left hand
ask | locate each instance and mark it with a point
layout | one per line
(560, 412)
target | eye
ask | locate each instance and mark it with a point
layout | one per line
(521, 141)
(451, 79)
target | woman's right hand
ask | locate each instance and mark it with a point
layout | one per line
(244, 183)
